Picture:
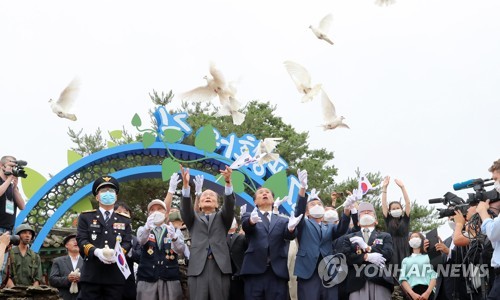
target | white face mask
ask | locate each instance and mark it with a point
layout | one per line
(396, 213)
(497, 186)
(366, 220)
(331, 216)
(158, 218)
(415, 242)
(452, 224)
(317, 211)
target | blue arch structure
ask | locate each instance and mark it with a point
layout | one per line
(149, 171)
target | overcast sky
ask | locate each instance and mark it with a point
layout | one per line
(417, 81)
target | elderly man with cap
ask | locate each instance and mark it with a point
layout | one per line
(366, 252)
(25, 266)
(65, 269)
(98, 232)
(158, 275)
(315, 240)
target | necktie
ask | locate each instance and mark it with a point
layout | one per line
(106, 218)
(366, 234)
(209, 249)
(157, 232)
(266, 219)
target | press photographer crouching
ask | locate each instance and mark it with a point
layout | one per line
(491, 227)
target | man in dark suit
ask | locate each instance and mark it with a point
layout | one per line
(265, 269)
(368, 250)
(209, 269)
(60, 276)
(237, 244)
(97, 233)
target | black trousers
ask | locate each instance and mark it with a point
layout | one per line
(420, 289)
(495, 289)
(100, 291)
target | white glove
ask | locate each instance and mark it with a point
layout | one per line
(174, 182)
(98, 252)
(351, 199)
(150, 222)
(198, 184)
(358, 240)
(376, 259)
(278, 202)
(313, 194)
(294, 221)
(254, 216)
(302, 178)
(358, 194)
(243, 209)
(73, 289)
(171, 231)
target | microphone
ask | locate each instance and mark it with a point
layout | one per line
(436, 200)
(466, 184)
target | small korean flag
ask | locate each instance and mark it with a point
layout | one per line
(121, 261)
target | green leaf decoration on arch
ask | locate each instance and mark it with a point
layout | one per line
(278, 183)
(169, 167)
(237, 179)
(205, 140)
(72, 156)
(82, 205)
(136, 121)
(32, 183)
(148, 139)
(116, 134)
(111, 144)
(172, 135)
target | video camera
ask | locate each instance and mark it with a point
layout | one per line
(450, 199)
(18, 169)
(480, 194)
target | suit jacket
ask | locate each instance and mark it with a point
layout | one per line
(61, 267)
(205, 234)
(93, 233)
(237, 246)
(443, 285)
(314, 240)
(381, 242)
(266, 242)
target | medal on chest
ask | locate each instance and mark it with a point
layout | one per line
(169, 252)
(150, 250)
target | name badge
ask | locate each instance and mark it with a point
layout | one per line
(152, 238)
(119, 226)
(378, 242)
(95, 225)
(9, 207)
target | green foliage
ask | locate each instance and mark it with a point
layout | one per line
(172, 135)
(205, 139)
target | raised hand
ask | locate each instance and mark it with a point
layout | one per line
(198, 184)
(399, 183)
(254, 217)
(387, 180)
(174, 181)
(185, 177)
(294, 221)
(302, 175)
(278, 202)
(227, 175)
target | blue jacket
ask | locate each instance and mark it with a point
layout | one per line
(314, 241)
(263, 242)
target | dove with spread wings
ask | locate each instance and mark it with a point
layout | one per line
(66, 100)
(321, 32)
(332, 121)
(264, 151)
(302, 80)
(217, 86)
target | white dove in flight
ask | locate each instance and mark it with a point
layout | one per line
(264, 151)
(384, 2)
(62, 106)
(230, 105)
(243, 160)
(302, 80)
(332, 121)
(216, 85)
(322, 31)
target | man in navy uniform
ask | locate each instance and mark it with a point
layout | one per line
(98, 231)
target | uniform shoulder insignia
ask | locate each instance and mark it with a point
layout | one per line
(88, 211)
(124, 215)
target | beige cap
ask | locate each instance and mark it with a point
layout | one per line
(364, 206)
(157, 201)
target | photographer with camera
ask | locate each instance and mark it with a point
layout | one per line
(491, 227)
(10, 197)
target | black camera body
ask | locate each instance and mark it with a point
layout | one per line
(482, 195)
(18, 169)
(450, 212)
(450, 199)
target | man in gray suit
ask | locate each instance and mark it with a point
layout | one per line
(62, 267)
(209, 270)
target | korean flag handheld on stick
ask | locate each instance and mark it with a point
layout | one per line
(364, 184)
(120, 258)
